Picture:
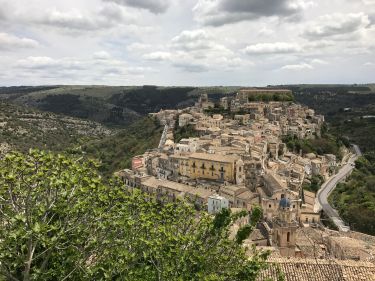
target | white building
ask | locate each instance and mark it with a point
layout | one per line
(216, 203)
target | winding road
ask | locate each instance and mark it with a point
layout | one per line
(329, 186)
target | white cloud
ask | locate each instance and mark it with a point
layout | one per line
(336, 25)
(43, 63)
(102, 55)
(10, 42)
(369, 2)
(158, 56)
(272, 48)
(138, 47)
(100, 67)
(318, 62)
(106, 17)
(301, 66)
(238, 42)
(369, 64)
(100, 17)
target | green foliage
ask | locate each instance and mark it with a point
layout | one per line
(115, 152)
(217, 110)
(355, 199)
(315, 184)
(187, 131)
(60, 221)
(327, 144)
(49, 206)
(267, 97)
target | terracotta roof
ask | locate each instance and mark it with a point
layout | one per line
(318, 270)
(214, 157)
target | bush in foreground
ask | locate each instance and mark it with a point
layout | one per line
(60, 221)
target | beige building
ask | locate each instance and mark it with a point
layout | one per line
(212, 167)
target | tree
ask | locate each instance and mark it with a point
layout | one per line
(49, 208)
(60, 221)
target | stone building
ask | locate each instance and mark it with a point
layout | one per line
(284, 229)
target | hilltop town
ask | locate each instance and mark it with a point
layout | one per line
(236, 158)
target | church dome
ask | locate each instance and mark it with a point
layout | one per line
(284, 203)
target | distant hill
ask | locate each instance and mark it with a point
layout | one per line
(23, 128)
(109, 105)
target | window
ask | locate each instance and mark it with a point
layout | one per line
(239, 169)
(294, 206)
(307, 219)
(269, 206)
(288, 237)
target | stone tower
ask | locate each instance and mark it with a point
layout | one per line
(285, 227)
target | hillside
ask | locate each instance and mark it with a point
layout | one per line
(23, 128)
(355, 199)
(118, 106)
(115, 152)
(350, 112)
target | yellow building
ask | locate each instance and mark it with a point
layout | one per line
(212, 167)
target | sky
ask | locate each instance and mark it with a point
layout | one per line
(186, 42)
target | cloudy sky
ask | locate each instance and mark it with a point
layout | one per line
(186, 42)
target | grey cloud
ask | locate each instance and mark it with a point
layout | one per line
(191, 67)
(2, 15)
(220, 12)
(154, 6)
(371, 17)
(260, 8)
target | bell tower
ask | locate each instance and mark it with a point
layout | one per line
(285, 227)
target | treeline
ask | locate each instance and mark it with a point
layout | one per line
(267, 97)
(24, 89)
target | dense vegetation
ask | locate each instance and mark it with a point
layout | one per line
(330, 100)
(60, 221)
(314, 184)
(187, 131)
(266, 97)
(115, 152)
(88, 107)
(148, 99)
(355, 199)
(326, 144)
